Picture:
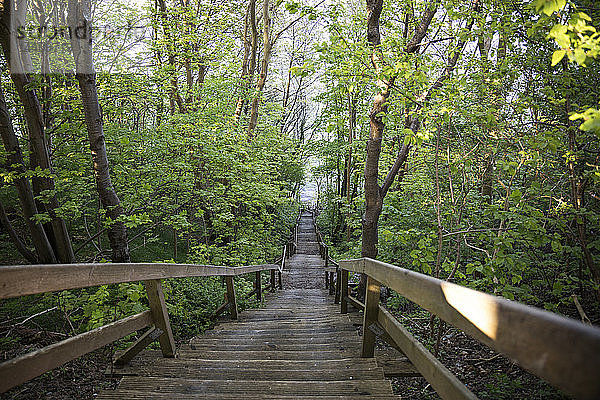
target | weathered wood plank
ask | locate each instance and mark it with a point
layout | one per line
(231, 298)
(146, 395)
(150, 336)
(152, 357)
(192, 371)
(370, 317)
(270, 355)
(249, 388)
(21, 280)
(440, 378)
(338, 284)
(275, 345)
(21, 369)
(551, 346)
(282, 331)
(160, 316)
(355, 302)
(353, 339)
(344, 292)
(258, 286)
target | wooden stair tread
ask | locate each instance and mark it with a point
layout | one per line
(193, 371)
(270, 355)
(261, 340)
(147, 395)
(249, 387)
(274, 346)
(341, 363)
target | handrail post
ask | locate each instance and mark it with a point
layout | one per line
(273, 283)
(326, 279)
(231, 297)
(279, 276)
(370, 317)
(337, 285)
(344, 292)
(160, 316)
(258, 285)
(331, 283)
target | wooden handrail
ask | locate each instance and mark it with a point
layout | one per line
(561, 350)
(332, 276)
(21, 280)
(24, 280)
(23, 368)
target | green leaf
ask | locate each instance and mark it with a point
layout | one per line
(557, 56)
(556, 246)
(580, 56)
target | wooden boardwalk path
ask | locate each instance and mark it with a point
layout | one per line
(297, 346)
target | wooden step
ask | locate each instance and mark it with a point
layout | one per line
(282, 331)
(269, 355)
(254, 387)
(145, 395)
(274, 345)
(153, 357)
(279, 325)
(191, 370)
(350, 340)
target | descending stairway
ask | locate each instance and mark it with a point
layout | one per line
(297, 346)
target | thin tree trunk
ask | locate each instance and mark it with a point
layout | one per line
(351, 123)
(44, 250)
(263, 68)
(25, 252)
(249, 60)
(374, 194)
(57, 232)
(578, 184)
(175, 96)
(373, 197)
(86, 76)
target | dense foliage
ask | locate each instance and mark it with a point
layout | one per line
(194, 186)
(499, 189)
(212, 113)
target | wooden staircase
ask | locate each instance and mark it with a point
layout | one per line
(297, 346)
(300, 345)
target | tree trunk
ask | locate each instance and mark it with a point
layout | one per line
(249, 60)
(25, 252)
(374, 194)
(262, 80)
(57, 231)
(578, 184)
(175, 96)
(86, 76)
(45, 253)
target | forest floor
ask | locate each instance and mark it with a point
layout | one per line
(484, 371)
(79, 379)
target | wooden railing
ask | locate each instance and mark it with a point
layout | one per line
(563, 351)
(16, 281)
(331, 267)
